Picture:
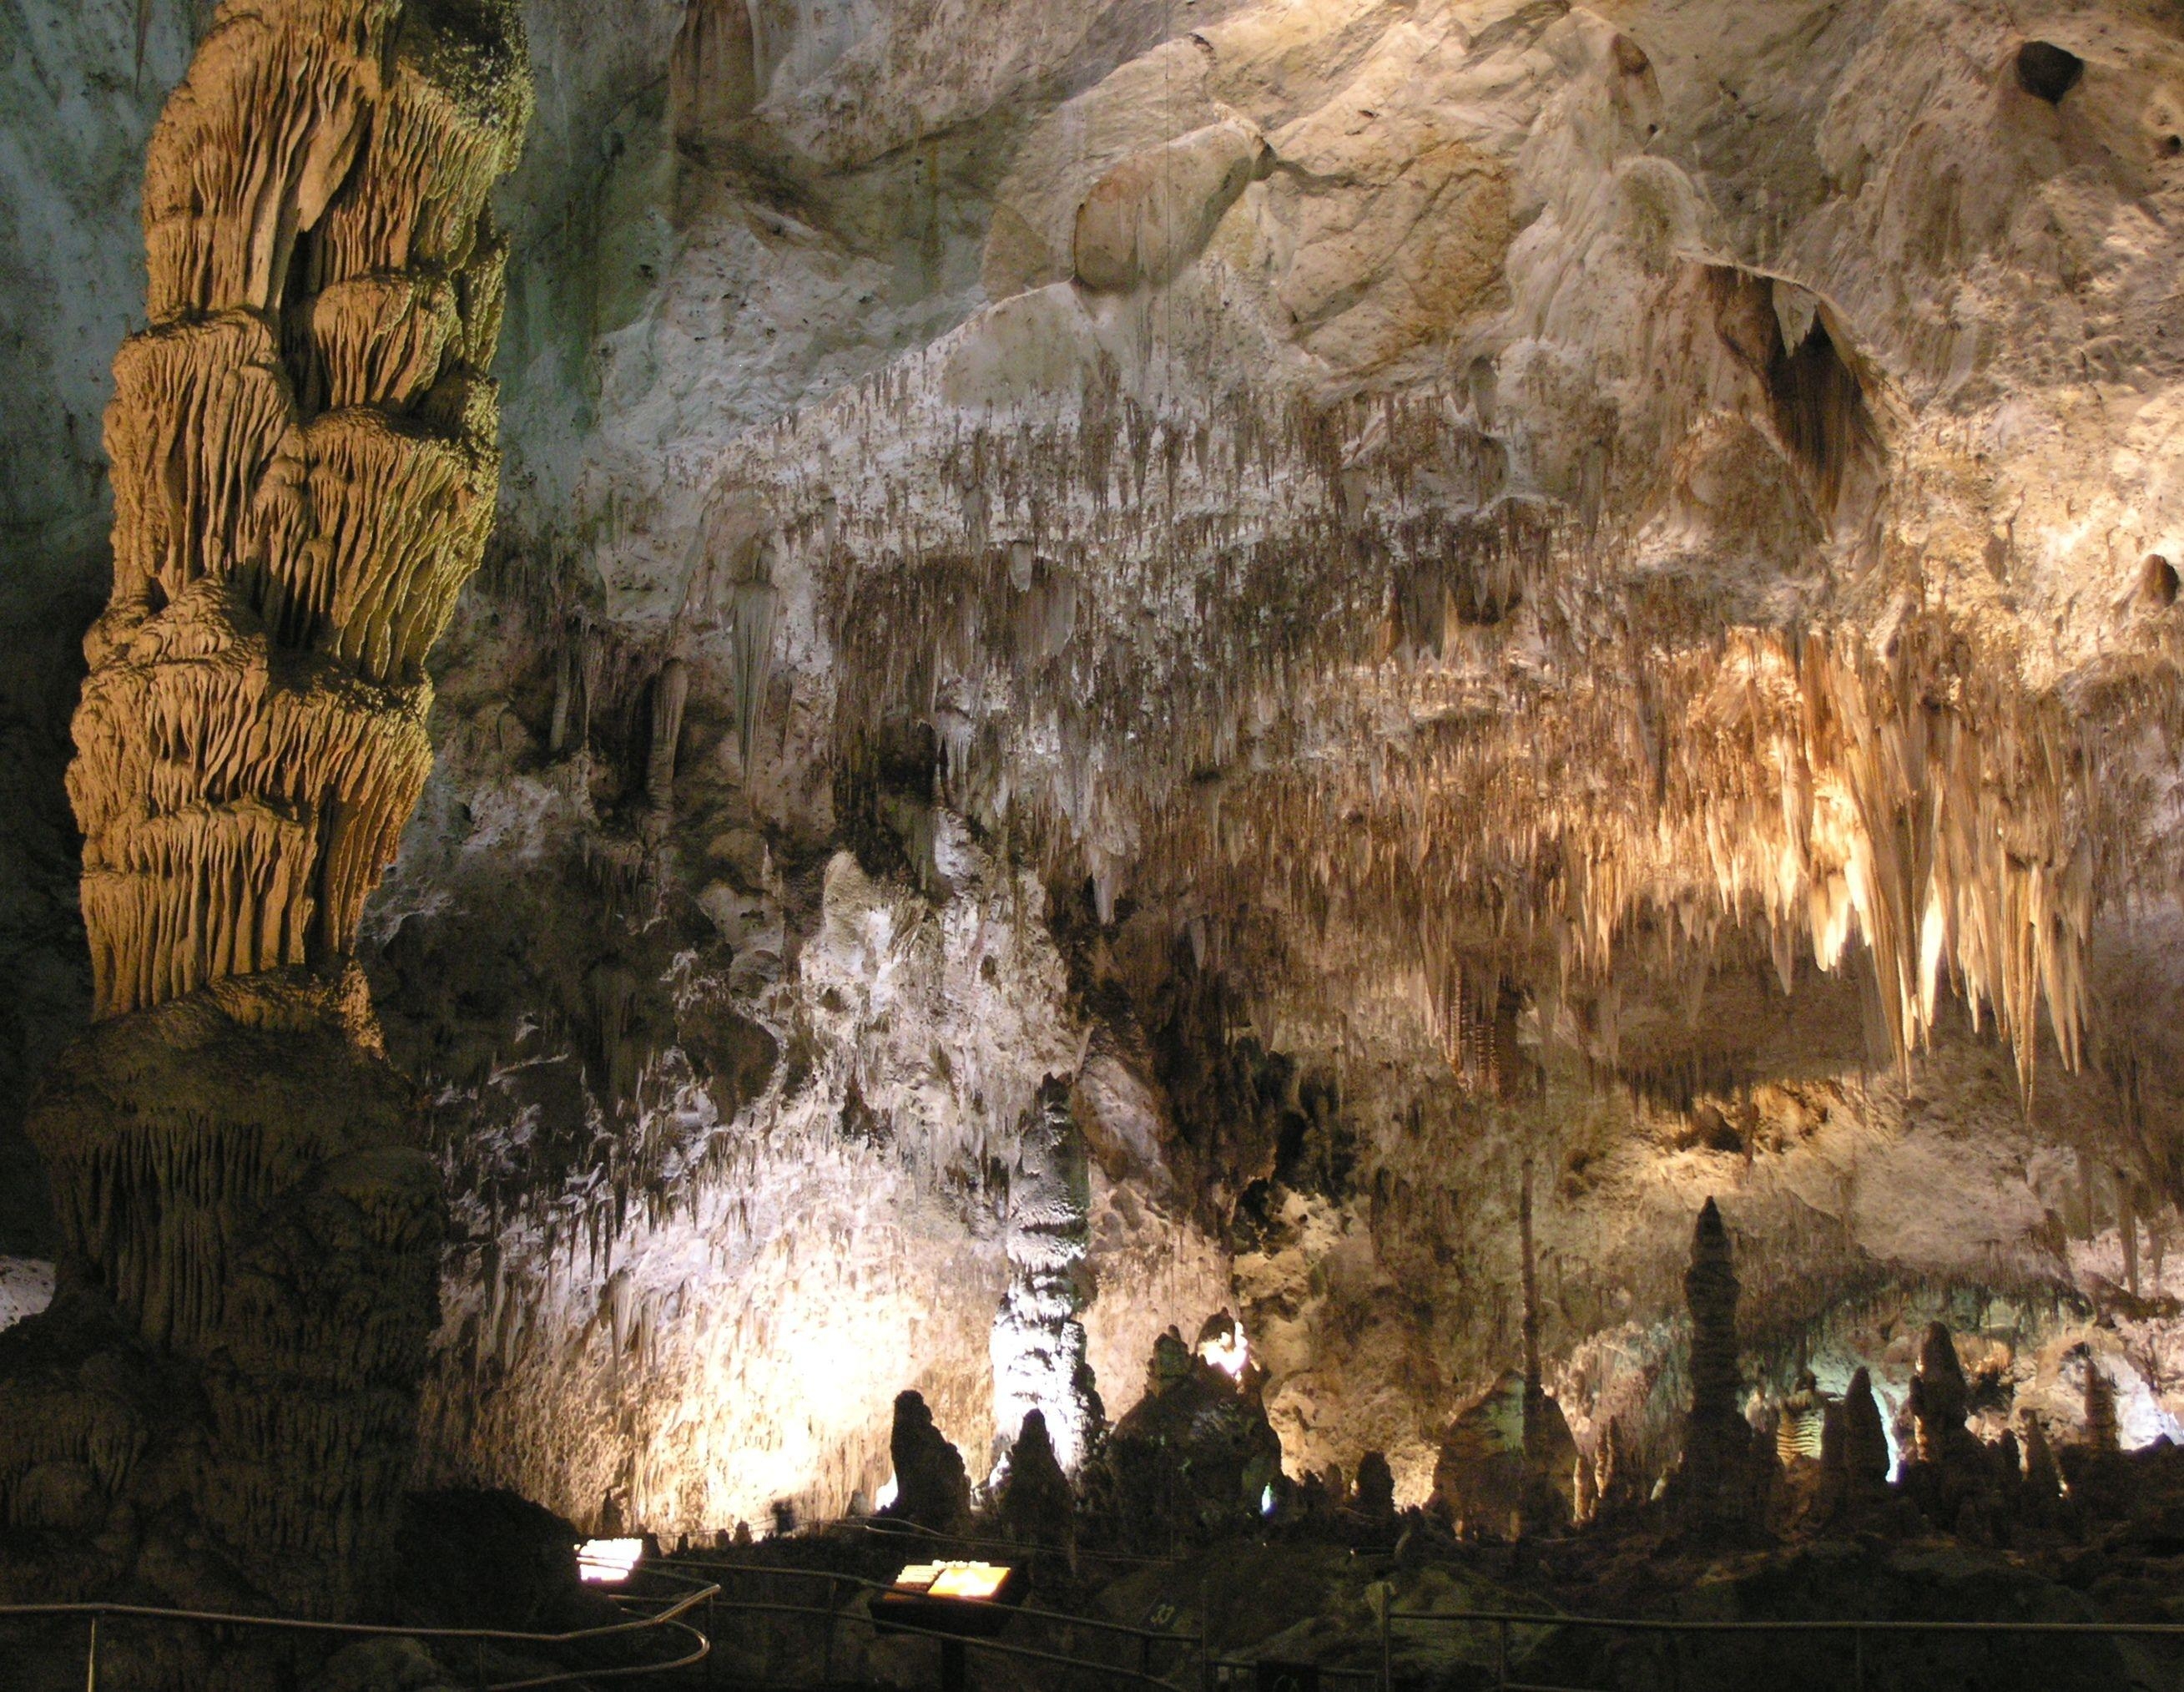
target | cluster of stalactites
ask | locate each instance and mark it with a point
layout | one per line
(303, 459)
(1170, 649)
(1921, 800)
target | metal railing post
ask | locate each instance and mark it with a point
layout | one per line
(1387, 1654)
(1858, 1658)
(91, 1662)
(1205, 1662)
(1501, 1652)
(827, 1649)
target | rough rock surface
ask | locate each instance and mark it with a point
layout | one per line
(301, 448)
(1384, 591)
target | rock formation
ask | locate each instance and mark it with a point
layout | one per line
(304, 461)
(1038, 1340)
(1037, 1505)
(1715, 1486)
(1373, 1498)
(1394, 588)
(932, 1489)
(1507, 1463)
(1196, 1459)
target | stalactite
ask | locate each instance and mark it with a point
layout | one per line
(1337, 684)
(752, 647)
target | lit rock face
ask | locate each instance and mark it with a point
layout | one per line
(1038, 1345)
(302, 448)
(1429, 585)
(1526, 583)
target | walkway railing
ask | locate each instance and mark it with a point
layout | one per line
(1503, 1621)
(833, 1613)
(1196, 1664)
(670, 1619)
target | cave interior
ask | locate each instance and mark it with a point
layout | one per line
(1326, 817)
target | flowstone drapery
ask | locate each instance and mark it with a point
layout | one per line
(220, 1406)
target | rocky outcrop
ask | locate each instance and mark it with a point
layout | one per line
(932, 1488)
(304, 464)
(1196, 1458)
(1506, 1466)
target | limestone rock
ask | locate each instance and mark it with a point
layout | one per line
(305, 460)
(1507, 1463)
(1038, 1506)
(1372, 1496)
(1196, 1457)
(1151, 215)
(1717, 1485)
(932, 1486)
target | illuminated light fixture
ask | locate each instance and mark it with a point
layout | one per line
(605, 1562)
(970, 1580)
(1228, 1351)
(888, 1492)
(1267, 1499)
(957, 1600)
(947, 1579)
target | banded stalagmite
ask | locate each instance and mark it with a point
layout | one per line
(304, 461)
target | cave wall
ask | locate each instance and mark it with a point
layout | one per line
(1172, 551)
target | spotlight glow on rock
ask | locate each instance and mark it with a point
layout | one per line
(1229, 1352)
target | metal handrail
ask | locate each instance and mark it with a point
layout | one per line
(1536, 1618)
(1098, 1623)
(1858, 1629)
(669, 1617)
(765, 1607)
(891, 1527)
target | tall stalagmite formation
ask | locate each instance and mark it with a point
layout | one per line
(305, 463)
(1038, 1342)
(1715, 1486)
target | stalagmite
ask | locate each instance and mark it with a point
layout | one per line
(1939, 1397)
(1713, 1487)
(1550, 1451)
(1373, 1497)
(1038, 1344)
(1865, 1437)
(2101, 1435)
(932, 1488)
(1037, 1506)
(304, 464)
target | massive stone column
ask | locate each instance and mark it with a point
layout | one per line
(1038, 1341)
(220, 1406)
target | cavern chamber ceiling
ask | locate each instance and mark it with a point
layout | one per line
(1323, 660)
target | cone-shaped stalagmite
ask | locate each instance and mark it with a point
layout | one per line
(1865, 1436)
(932, 1486)
(1037, 1505)
(1939, 1397)
(304, 464)
(1715, 1483)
